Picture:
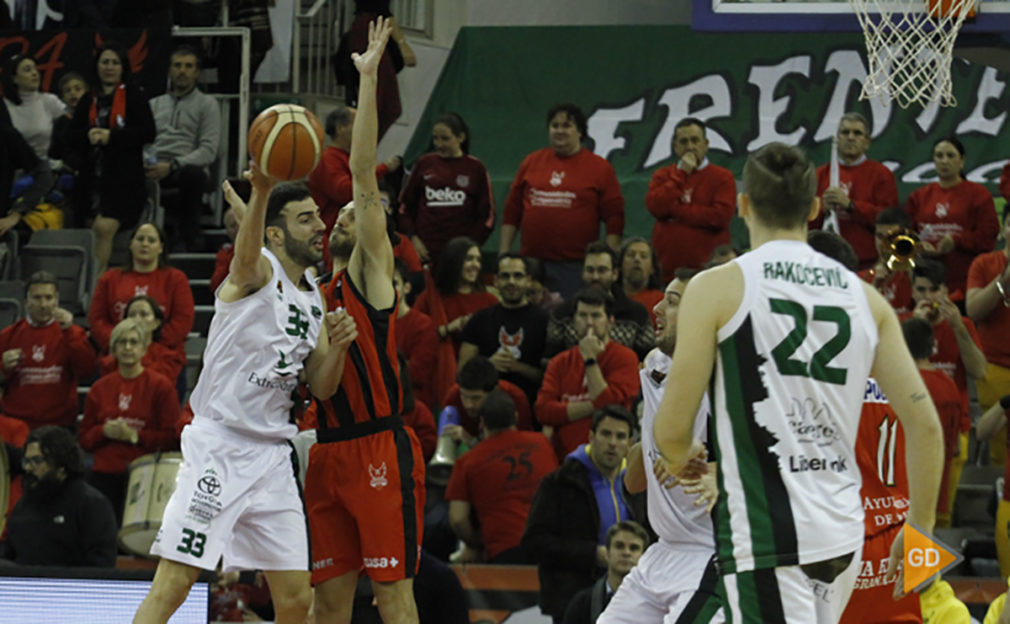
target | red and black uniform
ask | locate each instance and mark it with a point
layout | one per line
(692, 212)
(364, 487)
(871, 188)
(42, 389)
(168, 286)
(565, 382)
(967, 213)
(880, 455)
(417, 340)
(158, 358)
(447, 197)
(953, 412)
(471, 424)
(897, 292)
(554, 194)
(499, 478)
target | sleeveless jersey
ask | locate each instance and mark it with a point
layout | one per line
(880, 454)
(790, 374)
(370, 387)
(255, 349)
(672, 513)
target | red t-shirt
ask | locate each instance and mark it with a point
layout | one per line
(471, 424)
(447, 197)
(417, 340)
(456, 305)
(880, 455)
(872, 189)
(565, 382)
(898, 291)
(168, 286)
(404, 250)
(158, 358)
(952, 410)
(994, 330)
(42, 390)
(966, 212)
(499, 477)
(554, 194)
(423, 424)
(222, 265)
(649, 298)
(692, 214)
(149, 405)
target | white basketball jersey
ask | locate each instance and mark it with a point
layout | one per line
(791, 370)
(672, 513)
(255, 349)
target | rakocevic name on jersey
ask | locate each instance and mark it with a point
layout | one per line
(791, 370)
(255, 349)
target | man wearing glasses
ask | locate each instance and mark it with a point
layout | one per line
(60, 520)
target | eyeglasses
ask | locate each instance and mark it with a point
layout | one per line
(31, 462)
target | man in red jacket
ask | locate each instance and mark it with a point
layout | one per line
(594, 373)
(43, 356)
(692, 201)
(865, 188)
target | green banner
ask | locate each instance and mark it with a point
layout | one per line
(636, 82)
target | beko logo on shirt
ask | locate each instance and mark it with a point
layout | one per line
(444, 196)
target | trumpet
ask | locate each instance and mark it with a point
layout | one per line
(904, 244)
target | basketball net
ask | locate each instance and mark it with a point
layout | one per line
(909, 44)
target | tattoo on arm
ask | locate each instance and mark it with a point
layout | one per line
(919, 396)
(366, 201)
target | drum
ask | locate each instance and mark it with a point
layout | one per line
(5, 486)
(152, 481)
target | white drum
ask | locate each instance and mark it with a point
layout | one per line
(152, 481)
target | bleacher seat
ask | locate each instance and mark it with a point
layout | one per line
(12, 295)
(69, 265)
(9, 246)
(72, 237)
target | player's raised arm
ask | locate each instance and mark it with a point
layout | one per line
(371, 262)
(249, 270)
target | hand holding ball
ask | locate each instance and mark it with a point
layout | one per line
(286, 140)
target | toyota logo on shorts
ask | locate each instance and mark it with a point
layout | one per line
(209, 485)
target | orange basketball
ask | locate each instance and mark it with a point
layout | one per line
(286, 141)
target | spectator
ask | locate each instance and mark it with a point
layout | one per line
(112, 124)
(496, 481)
(539, 293)
(128, 413)
(13, 435)
(417, 415)
(44, 356)
(158, 357)
(145, 272)
(947, 399)
(475, 379)
(626, 541)
(32, 112)
(632, 326)
(721, 255)
(989, 307)
(188, 123)
(640, 274)
(563, 188)
(416, 338)
(458, 291)
(992, 421)
(222, 260)
(594, 373)
(693, 202)
(894, 283)
(403, 249)
(72, 87)
(15, 154)
(957, 351)
(330, 181)
(574, 508)
(511, 334)
(955, 218)
(865, 188)
(448, 193)
(60, 520)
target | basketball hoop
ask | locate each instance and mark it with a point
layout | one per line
(909, 46)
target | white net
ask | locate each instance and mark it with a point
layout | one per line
(909, 44)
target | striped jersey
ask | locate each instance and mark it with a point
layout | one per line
(673, 514)
(256, 347)
(790, 375)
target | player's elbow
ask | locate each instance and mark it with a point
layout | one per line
(671, 444)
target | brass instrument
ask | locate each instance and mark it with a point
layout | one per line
(904, 245)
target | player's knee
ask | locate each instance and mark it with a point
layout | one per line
(170, 588)
(395, 599)
(292, 599)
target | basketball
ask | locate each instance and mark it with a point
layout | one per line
(286, 141)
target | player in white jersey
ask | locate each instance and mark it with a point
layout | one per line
(788, 338)
(675, 580)
(236, 496)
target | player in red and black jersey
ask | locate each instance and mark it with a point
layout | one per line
(364, 485)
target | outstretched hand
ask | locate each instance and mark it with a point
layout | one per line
(234, 201)
(341, 328)
(367, 62)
